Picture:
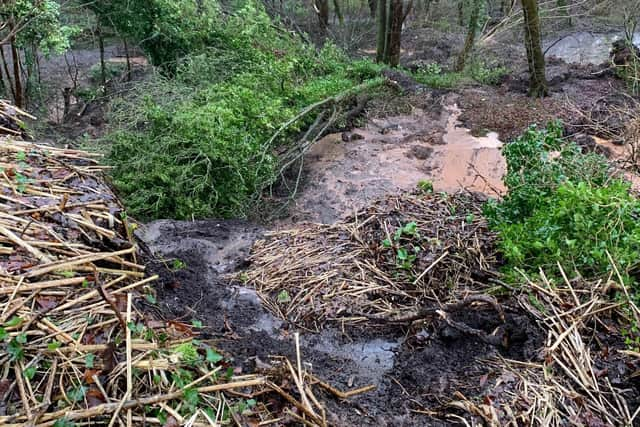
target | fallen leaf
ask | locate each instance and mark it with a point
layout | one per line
(171, 422)
(47, 303)
(94, 397)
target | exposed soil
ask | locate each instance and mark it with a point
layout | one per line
(451, 139)
(414, 369)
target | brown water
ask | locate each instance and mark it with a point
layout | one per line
(395, 154)
(470, 162)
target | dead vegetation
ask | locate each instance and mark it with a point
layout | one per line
(77, 342)
(576, 378)
(11, 119)
(393, 258)
(346, 273)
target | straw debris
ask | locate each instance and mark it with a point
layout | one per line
(75, 341)
(392, 259)
(571, 381)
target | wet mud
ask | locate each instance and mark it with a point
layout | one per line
(414, 369)
(395, 154)
(453, 141)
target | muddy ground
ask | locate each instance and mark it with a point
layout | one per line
(414, 370)
(451, 139)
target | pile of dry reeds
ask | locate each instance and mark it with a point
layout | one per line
(75, 345)
(571, 384)
(615, 119)
(11, 119)
(389, 259)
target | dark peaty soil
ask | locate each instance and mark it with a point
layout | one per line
(413, 369)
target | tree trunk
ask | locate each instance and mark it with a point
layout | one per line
(338, 11)
(565, 9)
(395, 32)
(126, 52)
(17, 78)
(5, 66)
(535, 58)
(322, 9)
(461, 13)
(507, 7)
(103, 66)
(382, 31)
(373, 5)
(471, 36)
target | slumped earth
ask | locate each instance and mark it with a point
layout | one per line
(415, 370)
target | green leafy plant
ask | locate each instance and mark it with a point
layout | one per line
(563, 209)
(425, 186)
(198, 143)
(178, 264)
(405, 257)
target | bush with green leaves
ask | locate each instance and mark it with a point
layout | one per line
(198, 144)
(563, 207)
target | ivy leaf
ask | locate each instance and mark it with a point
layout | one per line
(89, 359)
(283, 296)
(30, 372)
(213, 356)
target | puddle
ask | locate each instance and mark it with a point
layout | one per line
(374, 357)
(585, 47)
(620, 154)
(465, 161)
(395, 154)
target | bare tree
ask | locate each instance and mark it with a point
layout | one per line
(322, 10)
(471, 34)
(535, 57)
(391, 16)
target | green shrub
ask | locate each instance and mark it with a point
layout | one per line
(577, 226)
(112, 70)
(563, 208)
(433, 76)
(538, 162)
(195, 144)
(486, 74)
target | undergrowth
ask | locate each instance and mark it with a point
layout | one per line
(196, 144)
(563, 208)
(433, 75)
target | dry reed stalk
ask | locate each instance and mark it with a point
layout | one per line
(346, 272)
(75, 344)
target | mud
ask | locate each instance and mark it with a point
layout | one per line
(395, 154)
(584, 47)
(414, 369)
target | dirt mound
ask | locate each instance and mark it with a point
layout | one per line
(392, 257)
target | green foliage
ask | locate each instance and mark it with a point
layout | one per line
(165, 29)
(406, 252)
(112, 70)
(425, 186)
(537, 163)
(562, 208)
(195, 145)
(63, 422)
(39, 25)
(486, 74)
(433, 75)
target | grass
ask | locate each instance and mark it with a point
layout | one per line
(433, 75)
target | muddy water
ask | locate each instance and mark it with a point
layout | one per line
(585, 47)
(465, 161)
(620, 155)
(395, 154)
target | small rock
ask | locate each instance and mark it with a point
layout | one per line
(420, 152)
